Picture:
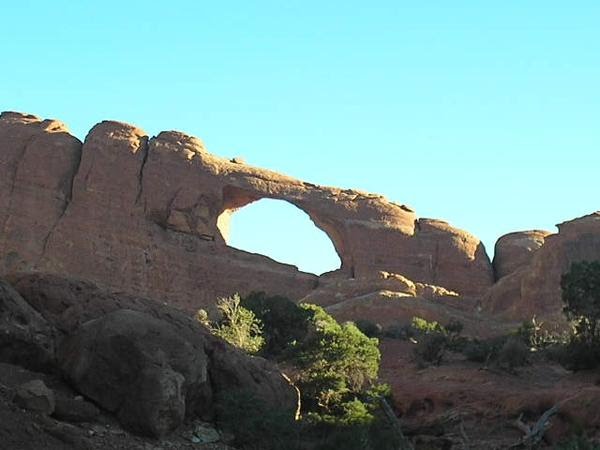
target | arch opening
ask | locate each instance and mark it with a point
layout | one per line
(281, 231)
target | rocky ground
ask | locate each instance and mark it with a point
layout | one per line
(462, 404)
(23, 429)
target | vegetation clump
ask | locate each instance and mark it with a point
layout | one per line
(237, 325)
(335, 367)
(581, 296)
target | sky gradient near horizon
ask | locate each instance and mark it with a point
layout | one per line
(484, 116)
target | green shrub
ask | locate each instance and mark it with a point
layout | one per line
(336, 366)
(284, 323)
(430, 348)
(238, 325)
(433, 340)
(581, 295)
(368, 328)
(337, 361)
(423, 326)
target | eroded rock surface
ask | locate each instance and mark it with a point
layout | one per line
(534, 288)
(515, 250)
(26, 337)
(149, 215)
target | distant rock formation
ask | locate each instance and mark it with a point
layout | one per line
(515, 250)
(149, 216)
(530, 284)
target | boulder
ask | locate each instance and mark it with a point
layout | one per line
(142, 332)
(26, 337)
(139, 368)
(74, 410)
(515, 250)
(35, 396)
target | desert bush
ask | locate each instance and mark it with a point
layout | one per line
(483, 351)
(430, 348)
(514, 353)
(581, 295)
(336, 367)
(433, 340)
(254, 425)
(398, 331)
(337, 361)
(237, 325)
(577, 354)
(538, 337)
(284, 323)
(423, 326)
(368, 328)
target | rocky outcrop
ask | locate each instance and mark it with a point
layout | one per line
(149, 215)
(26, 338)
(34, 395)
(515, 250)
(391, 300)
(139, 368)
(148, 363)
(534, 289)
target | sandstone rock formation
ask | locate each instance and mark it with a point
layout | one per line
(534, 288)
(149, 215)
(515, 250)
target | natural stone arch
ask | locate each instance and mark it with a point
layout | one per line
(234, 199)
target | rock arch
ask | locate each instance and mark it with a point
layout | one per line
(146, 215)
(235, 199)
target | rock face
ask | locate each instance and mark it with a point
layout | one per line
(26, 337)
(146, 362)
(515, 250)
(139, 368)
(150, 215)
(35, 396)
(534, 288)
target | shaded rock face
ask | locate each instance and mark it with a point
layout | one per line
(515, 250)
(139, 368)
(392, 301)
(150, 215)
(534, 288)
(26, 337)
(161, 356)
(35, 396)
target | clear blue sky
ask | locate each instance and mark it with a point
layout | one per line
(485, 116)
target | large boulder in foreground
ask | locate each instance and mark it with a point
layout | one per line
(148, 362)
(26, 338)
(139, 368)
